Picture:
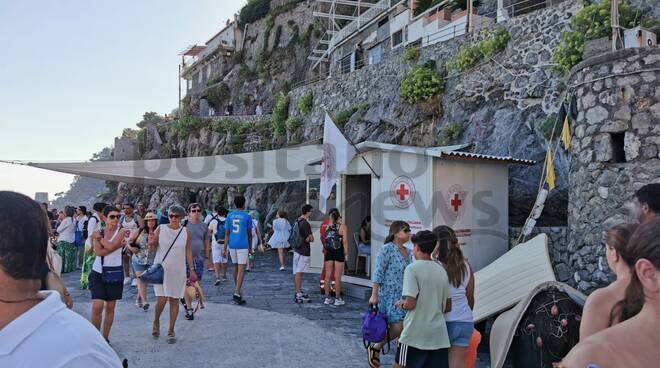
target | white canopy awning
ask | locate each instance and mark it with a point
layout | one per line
(289, 164)
(263, 167)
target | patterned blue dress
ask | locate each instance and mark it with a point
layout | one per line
(388, 273)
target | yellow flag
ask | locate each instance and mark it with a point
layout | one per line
(566, 134)
(549, 169)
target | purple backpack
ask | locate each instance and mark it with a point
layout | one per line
(374, 327)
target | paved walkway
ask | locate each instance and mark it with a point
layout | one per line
(269, 331)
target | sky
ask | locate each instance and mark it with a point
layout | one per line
(75, 73)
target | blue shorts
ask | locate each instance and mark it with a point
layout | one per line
(460, 333)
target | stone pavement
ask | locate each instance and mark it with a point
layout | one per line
(269, 331)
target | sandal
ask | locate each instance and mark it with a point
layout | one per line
(374, 357)
(170, 338)
(145, 307)
(155, 330)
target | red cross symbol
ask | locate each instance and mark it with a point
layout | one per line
(402, 192)
(456, 202)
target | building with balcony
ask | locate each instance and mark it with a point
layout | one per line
(361, 32)
(211, 61)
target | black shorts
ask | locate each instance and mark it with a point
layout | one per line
(103, 291)
(336, 255)
(410, 357)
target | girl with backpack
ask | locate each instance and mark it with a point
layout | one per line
(460, 322)
(280, 238)
(335, 243)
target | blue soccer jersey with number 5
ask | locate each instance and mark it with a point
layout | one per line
(239, 224)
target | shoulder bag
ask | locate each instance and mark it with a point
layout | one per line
(156, 273)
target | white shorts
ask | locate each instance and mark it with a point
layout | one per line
(300, 263)
(238, 256)
(216, 253)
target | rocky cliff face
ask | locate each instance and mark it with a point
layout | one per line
(499, 106)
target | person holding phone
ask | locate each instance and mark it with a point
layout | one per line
(108, 241)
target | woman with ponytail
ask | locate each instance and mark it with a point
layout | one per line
(634, 342)
(608, 306)
(460, 322)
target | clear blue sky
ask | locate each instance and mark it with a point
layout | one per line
(76, 72)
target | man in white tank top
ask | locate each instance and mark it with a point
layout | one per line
(133, 222)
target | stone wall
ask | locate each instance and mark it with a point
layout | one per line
(125, 149)
(614, 151)
(499, 104)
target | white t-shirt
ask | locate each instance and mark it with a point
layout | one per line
(81, 222)
(460, 309)
(50, 335)
(66, 231)
(131, 224)
(92, 224)
(111, 260)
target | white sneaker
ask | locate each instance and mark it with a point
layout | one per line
(327, 301)
(127, 281)
(339, 301)
(134, 283)
(282, 268)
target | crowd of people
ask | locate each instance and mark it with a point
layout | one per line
(425, 292)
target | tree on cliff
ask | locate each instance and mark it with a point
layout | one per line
(150, 117)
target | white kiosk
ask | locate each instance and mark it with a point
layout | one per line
(425, 187)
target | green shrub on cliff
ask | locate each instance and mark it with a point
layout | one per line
(469, 56)
(306, 103)
(593, 22)
(280, 114)
(450, 134)
(342, 117)
(253, 11)
(185, 126)
(421, 84)
(218, 94)
(293, 123)
(411, 55)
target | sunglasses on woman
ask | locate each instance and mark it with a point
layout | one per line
(113, 217)
(406, 230)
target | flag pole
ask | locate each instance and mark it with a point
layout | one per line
(355, 147)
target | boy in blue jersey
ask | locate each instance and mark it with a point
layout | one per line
(238, 237)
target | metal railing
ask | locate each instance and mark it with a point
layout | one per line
(481, 21)
(362, 20)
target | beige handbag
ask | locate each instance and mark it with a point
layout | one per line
(54, 260)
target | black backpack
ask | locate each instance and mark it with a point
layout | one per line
(85, 231)
(295, 238)
(332, 238)
(85, 225)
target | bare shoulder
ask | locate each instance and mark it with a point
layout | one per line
(589, 352)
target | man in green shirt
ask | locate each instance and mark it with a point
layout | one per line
(424, 341)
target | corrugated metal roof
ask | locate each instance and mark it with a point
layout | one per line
(479, 156)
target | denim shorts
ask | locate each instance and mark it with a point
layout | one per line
(460, 333)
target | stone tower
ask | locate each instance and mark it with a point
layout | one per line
(614, 151)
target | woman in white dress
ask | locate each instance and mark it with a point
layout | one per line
(177, 237)
(280, 238)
